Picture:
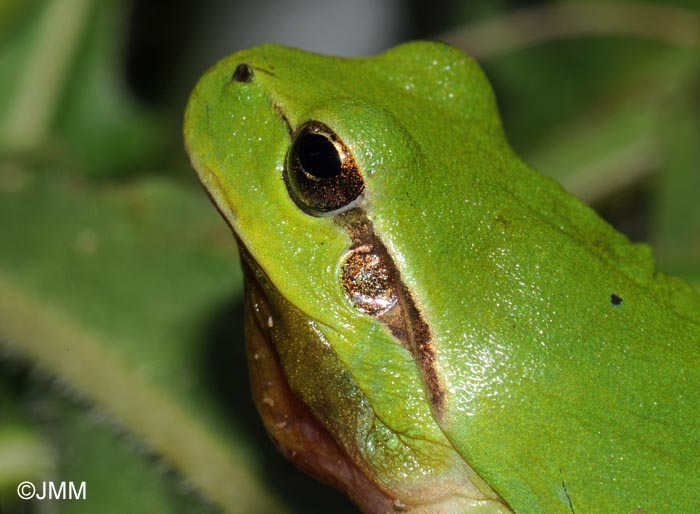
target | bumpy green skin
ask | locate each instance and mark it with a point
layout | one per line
(558, 399)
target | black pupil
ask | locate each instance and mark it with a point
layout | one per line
(318, 156)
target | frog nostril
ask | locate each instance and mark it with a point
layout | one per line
(243, 73)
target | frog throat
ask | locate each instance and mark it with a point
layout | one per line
(291, 424)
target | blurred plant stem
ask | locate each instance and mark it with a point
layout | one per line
(37, 93)
(529, 26)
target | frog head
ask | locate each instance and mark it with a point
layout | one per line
(314, 163)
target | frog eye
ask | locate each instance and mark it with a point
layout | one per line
(321, 174)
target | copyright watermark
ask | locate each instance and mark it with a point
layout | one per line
(52, 490)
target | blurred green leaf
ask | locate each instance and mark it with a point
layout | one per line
(119, 474)
(60, 88)
(676, 210)
(25, 454)
(109, 288)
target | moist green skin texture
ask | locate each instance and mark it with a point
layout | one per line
(555, 396)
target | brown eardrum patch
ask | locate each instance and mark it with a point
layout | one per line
(366, 281)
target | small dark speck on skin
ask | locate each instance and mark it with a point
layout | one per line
(501, 220)
(615, 300)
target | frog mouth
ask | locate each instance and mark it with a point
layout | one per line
(295, 430)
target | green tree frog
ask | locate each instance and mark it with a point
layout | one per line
(432, 325)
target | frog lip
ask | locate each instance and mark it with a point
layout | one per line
(297, 433)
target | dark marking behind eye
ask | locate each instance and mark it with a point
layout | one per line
(243, 73)
(369, 270)
(615, 300)
(284, 117)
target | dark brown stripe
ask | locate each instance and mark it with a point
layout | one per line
(404, 320)
(282, 115)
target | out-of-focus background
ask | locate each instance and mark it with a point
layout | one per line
(121, 354)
